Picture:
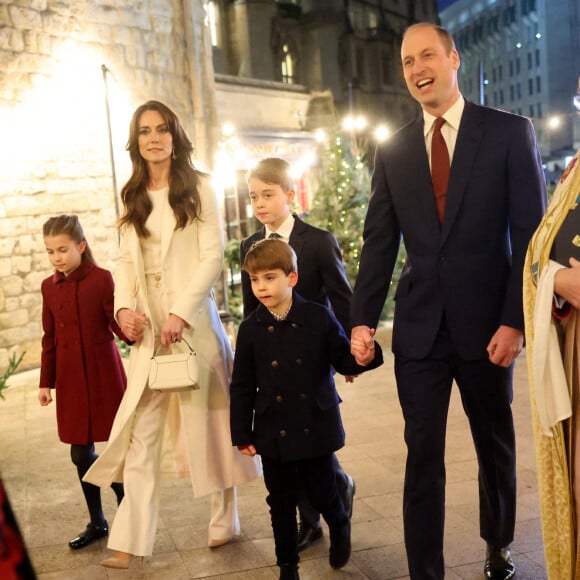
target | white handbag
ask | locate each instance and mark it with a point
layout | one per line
(174, 372)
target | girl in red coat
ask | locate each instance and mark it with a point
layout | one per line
(79, 356)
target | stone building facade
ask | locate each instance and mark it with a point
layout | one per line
(71, 73)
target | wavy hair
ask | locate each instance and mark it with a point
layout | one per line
(184, 179)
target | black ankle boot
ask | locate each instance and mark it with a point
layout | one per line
(289, 572)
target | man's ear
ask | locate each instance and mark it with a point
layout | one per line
(292, 279)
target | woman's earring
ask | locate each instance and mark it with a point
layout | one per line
(173, 156)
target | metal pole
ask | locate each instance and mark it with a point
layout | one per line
(105, 70)
(481, 84)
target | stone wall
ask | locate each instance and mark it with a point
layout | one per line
(55, 146)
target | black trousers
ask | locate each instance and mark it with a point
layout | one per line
(308, 514)
(424, 389)
(284, 480)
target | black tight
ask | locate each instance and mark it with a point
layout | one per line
(83, 456)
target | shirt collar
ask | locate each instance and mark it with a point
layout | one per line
(296, 315)
(452, 116)
(285, 229)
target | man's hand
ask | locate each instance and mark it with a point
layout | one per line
(362, 344)
(132, 323)
(505, 345)
(567, 283)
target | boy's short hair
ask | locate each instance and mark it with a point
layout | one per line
(270, 254)
(273, 170)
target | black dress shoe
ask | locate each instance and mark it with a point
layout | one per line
(307, 534)
(499, 564)
(348, 495)
(289, 572)
(339, 552)
(89, 535)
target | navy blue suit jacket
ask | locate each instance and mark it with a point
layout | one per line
(321, 275)
(470, 267)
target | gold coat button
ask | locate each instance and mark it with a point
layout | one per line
(270, 329)
(279, 398)
(306, 431)
(303, 396)
(283, 433)
(294, 325)
(299, 362)
(274, 363)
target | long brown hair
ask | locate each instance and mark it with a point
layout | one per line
(184, 180)
(68, 225)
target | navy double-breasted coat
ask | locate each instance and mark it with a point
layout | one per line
(283, 396)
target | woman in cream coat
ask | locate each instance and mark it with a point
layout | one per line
(170, 257)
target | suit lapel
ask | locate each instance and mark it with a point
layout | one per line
(466, 148)
(296, 240)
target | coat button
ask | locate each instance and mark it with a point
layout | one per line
(307, 431)
(274, 363)
(294, 325)
(279, 398)
(270, 329)
(299, 362)
(283, 433)
(303, 396)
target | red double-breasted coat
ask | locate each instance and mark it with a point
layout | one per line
(79, 356)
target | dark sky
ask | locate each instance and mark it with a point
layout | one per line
(444, 3)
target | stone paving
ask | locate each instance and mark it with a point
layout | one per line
(47, 500)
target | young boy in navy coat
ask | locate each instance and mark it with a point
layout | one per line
(284, 403)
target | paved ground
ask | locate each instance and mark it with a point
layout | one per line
(47, 499)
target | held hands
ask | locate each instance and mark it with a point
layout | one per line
(44, 396)
(567, 283)
(172, 329)
(362, 344)
(248, 450)
(505, 345)
(132, 323)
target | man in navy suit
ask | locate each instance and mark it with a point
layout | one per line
(458, 313)
(322, 279)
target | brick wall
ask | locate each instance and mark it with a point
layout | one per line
(54, 152)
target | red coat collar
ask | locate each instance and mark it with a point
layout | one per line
(80, 273)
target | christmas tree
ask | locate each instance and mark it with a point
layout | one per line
(339, 204)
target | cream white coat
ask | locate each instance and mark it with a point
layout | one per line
(197, 434)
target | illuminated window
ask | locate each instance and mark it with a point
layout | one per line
(213, 21)
(287, 65)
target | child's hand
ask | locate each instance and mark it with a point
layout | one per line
(249, 450)
(362, 344)
(350, 378)
(44, 396)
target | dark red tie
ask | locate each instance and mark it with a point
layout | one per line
(440, 167)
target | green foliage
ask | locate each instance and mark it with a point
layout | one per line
(340, 204)
(232, 260)
(124, 348)
(13, 364)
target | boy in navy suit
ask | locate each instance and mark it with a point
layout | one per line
(284, 403)
(322, 279)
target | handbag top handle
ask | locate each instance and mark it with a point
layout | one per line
(183, 339)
